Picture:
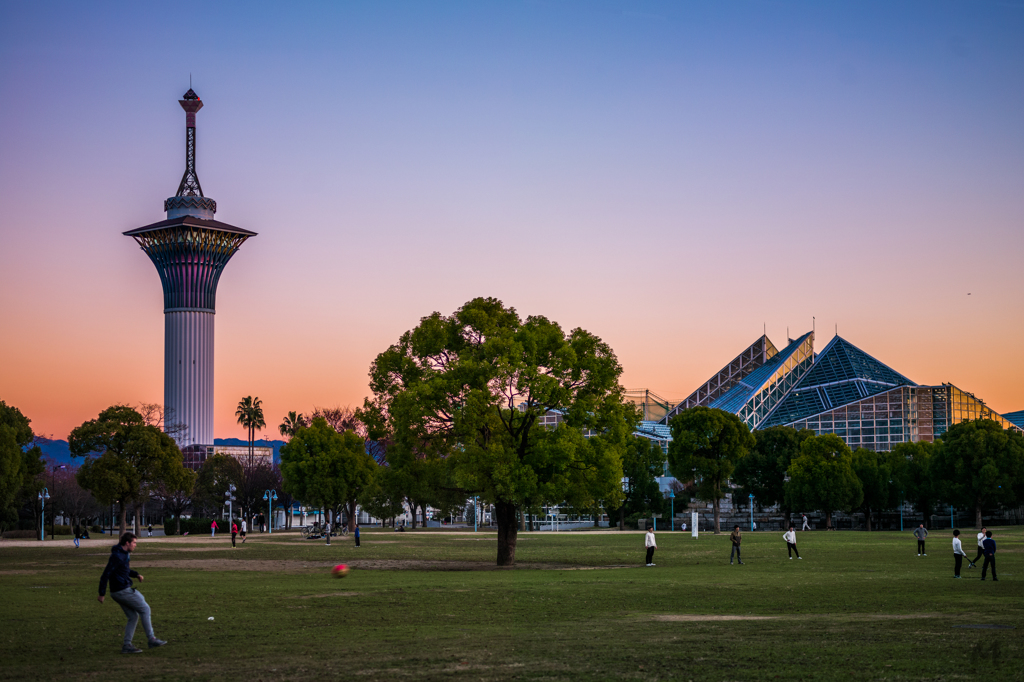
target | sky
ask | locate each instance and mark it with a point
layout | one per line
(674, 177)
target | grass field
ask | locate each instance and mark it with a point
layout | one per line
(431, 605)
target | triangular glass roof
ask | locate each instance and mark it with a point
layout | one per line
(735, 399)
(1015, 418)
(841, 374)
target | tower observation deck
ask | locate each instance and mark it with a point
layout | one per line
(189, 250)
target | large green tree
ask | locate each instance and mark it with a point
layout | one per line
(20, 464)
(980, 466)
(132, 457)
(323, 467)
(821, 477)
(914, 476)
(214, 479)
(879, 475)
(483, 390)
(762, 473)
(706, 445)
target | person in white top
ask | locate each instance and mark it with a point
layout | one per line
(981, 548)
(806, 526)
(790, 538)
(651, 545)
(244, 528)
(958, 554)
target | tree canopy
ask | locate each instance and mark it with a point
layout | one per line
(979, 466)
(20, 463)
(762, 472)
(706, 445)
(131, 457)
(321, 466)
(822, 477)
(473, 388)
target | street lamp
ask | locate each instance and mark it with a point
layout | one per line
(751, 497)
(44, 495)
(672, 498)
(270, 496)
(53, 484)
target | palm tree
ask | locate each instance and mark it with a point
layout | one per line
(291, 424)
(250, 415)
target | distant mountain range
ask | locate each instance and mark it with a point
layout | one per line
(58, 452)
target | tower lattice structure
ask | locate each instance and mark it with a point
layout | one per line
(189, 250)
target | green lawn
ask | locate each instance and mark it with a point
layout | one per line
(430, 605)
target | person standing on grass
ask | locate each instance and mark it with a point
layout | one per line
(920, 533)
(357, 534)
(651, 545)
(119, 574)
(243, 531)
(981, 548)
(990, 556)
(805, 526)
(149, 530)
(790, 538)
(736, 538)
(958, 554)
(213, 528)
(234, 532)
(78, 535)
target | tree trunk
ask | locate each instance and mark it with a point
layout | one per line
(122, 515)
(507, 533)
(828, 520)
(869, 519)
(718, 517)
(978, 523)
(350, 508)
(622, 517)
(138, 523)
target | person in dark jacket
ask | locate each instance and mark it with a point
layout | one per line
(736, 538)
(119, 574)
(990, 556)
(920, 533)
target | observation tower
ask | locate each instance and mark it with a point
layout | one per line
(189, 250)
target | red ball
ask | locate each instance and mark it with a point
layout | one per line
(340, 571)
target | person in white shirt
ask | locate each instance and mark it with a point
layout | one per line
(806, 525)
(981, 548)
(790, 538)
(958, 554)
(244, 529)
(651, 545)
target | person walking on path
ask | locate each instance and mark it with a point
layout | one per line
(78, 535)
(119, 574)
(990, 556)
(920, 533)
(806, 526)
(243, 531)
(234, 532)
(736, 538)
(213, 528)
(958, 554)
(651, 545)
(790, 538)
(149, 530)
(981, 548)
(357, 535)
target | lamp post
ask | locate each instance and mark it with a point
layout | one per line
(952, 522)
(44, 495)
(270, 496)
(476, 511)
(53, 484)
(672, 502)
(751, 497)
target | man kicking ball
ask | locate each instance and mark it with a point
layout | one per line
(131, 601)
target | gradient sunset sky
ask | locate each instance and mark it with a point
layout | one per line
(669, 176)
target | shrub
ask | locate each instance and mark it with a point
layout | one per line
(21, 534)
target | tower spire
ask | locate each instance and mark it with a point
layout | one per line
(191, 103)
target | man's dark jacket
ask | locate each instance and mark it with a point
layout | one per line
(118, 572)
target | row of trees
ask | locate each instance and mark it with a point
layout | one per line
(976, 465)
